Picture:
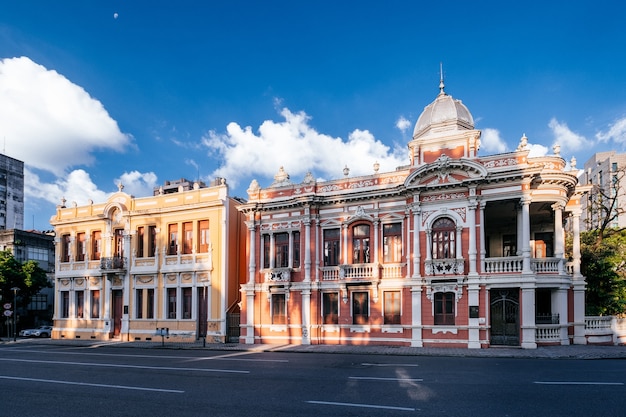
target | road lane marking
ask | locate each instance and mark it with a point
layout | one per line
(371, 378)
(128, 387)
(113, 365)
(383, 407)
(577, 383)
(389, 364)
(226, 357)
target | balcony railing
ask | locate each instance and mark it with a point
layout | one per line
(354, 272)
(451, 266)
(115, 262)
(278, 275)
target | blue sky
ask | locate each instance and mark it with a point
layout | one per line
(93, 93)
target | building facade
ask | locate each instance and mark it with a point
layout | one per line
(11, 193)
(130, 266)
(605, 174)
(453, 249)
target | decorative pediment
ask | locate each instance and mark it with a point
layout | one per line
(446, 170)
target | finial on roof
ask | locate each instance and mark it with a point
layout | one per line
(441, 85)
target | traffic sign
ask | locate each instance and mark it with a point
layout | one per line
(7, 306)
(8, 313)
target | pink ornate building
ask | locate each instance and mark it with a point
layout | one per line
(453, 249)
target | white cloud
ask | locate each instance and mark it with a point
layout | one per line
(568, 140)
(138, 184)
(299, 148)
(50, 123)
(403, 124)
(616, 132)
(491, 142)
(77, 187)
(537, 150)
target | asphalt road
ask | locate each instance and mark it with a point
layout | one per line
(48, 380)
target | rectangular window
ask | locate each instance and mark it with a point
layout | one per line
(392, 307)
(80, 247)
(330, 307)
(266, 251)
(96, 243)
(65, 304)
(140, 241)
(119, 243)
(186, 303)
(65, 248)
(296, 249)
(360, 307)
(392, 242)
(361, 244)
(80, 304)
(95, 304)
(203, 236)
(331, 247)
(279, 309)
(151, 241)
(187, 238)
(150, 304)
(281, 250)
(172, 231)
(444, 308)
(139, 304)
(171, 303)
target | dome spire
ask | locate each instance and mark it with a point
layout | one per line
(441, 85)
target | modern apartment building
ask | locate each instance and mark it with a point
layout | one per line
(605, 173)
(11, 193)
(135, 268)
(453, 249)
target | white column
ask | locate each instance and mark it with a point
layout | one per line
(290, 249)
(249, 326)
(528, 318)
(520, 231)
(471, 251)
(252, 256)
(429, 244)
(526, 235)
(473, 292)
(416, 241)
(344, 230)
(416, 317)
(578, 282)
(560, 302)
(377, 231)
(559, 241)
(483, 249)
(459, 244)
(306, 317)
(124, 331)
(272, 251)
(307, 249)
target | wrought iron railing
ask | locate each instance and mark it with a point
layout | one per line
(115, 262)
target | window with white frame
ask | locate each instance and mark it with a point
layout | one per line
(279, 309)
(443, 238)
(360, 307)
(392, 242)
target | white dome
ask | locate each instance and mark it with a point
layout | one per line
(446, 113)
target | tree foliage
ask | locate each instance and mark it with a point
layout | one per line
(603, 263)
(27, 276)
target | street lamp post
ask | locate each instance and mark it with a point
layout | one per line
(15, 290)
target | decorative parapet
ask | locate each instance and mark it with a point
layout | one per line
(447, 266)
(278, 275)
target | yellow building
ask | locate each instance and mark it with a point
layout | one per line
(130, 266)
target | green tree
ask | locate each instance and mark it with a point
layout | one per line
(27, 276)
(603, 263)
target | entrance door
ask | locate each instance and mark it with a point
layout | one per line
(505, 317)
(117, 312)
(202, 312)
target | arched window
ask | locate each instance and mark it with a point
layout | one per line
(361, 244)
(443, 238)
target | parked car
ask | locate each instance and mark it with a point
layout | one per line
(41, 331)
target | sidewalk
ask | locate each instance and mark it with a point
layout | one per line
(551, 352)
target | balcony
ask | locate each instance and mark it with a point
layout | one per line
(351, 272)
(113, 263)
(278, 275)
(447, 266)
(514, 264)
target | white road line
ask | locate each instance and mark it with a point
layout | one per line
(389, 364)
(577, 383)
(386, 379)
(52, 381)
(109, 365)
(227, 357)
(383, 407)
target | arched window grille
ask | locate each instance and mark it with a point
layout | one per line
(443, 239)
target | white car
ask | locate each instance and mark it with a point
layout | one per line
(41, 331)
